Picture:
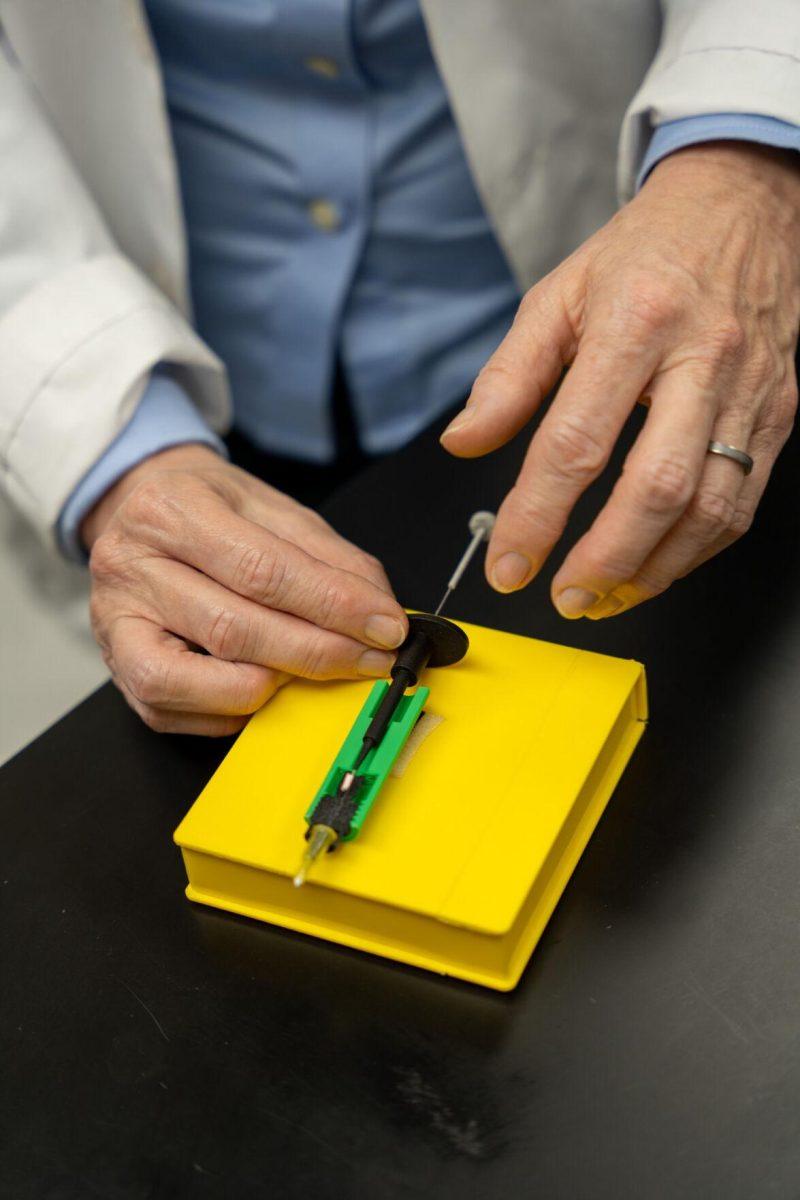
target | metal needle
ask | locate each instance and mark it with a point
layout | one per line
(320, 839)
(480, 526)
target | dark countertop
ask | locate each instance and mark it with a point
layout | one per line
(153, 1049)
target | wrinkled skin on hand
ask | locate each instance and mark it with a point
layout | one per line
(191, 554)
(688, 299)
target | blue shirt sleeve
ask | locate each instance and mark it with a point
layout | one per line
(165, 416)
(712, 127)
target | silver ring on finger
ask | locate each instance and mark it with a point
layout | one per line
(738, 456)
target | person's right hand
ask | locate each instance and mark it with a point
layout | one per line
(190, 552)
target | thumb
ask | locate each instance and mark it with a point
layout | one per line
(524, 368)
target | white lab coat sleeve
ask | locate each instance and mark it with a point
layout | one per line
(80, 325)
(715, 56)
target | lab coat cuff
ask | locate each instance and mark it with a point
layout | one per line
(164, 417)
(752, 76)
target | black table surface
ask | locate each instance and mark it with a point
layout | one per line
(152, 1048)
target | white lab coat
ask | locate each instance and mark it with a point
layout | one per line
(554, 100)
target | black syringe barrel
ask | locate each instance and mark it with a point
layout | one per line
(431, 641)
(412, 659)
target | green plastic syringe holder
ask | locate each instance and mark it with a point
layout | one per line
(379, 762)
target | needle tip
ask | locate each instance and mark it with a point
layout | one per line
(320, 839)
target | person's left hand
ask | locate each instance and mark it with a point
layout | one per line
(689, 298)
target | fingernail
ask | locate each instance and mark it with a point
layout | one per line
(460, 422)
(375, 663)
(384, 631)
(510, 571)
(574, 601)
(605, 608)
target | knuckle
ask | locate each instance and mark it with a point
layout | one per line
(107, 558)
(760, 365)
(315, 660)
(332, 602)
(572, 449)
(650, 300)
(147, 505)
(783, 411)
(531, 303)
(155, 719)
(371, 566)
(314, 518)
(264, 690)
(664, 485)
(712, 510)
(741, 522)
(608, 563)
(605, 559)
(97, 616)
(726, 339)
(650, 584)
(260, 572)
(526, 515)
(148, 681)
(786, 412)
(225, 726)
(497, 372)
(255, 693)
(228, 635)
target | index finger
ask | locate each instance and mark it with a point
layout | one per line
(568, 451)
(256, 563)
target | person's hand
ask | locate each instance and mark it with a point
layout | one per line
(189, 553)
(689, 298)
